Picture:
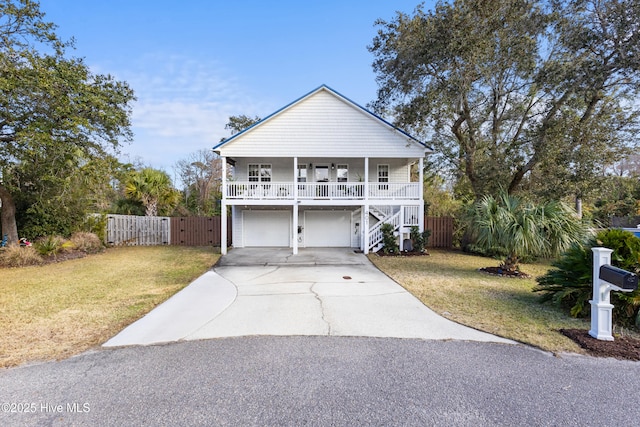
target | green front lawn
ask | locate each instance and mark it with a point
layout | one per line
(449, 283)
(58, 310)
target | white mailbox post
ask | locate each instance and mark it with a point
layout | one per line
(616, 280)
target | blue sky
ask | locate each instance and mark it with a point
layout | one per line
(194, 63)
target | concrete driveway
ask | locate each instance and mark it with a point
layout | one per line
(269, 291)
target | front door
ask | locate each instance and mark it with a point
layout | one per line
(322, 175)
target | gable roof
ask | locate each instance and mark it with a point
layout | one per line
(316, 121)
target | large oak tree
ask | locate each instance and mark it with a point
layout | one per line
(515, 91)
(60, 123)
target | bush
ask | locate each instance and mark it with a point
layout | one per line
(52, 245)
(86, 242)
(420, 240)
(96, 224)
(389, 240)
(570, 284)
(19, 256)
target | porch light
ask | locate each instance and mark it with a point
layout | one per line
(310, 165)
(333, 166)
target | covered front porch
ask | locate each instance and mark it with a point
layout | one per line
(322, 191)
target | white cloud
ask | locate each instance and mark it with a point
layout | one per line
(182, 106)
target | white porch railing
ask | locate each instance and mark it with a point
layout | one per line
(257, 191)
(323, 190)
(411, 215)
(394, 190)
(331, 190)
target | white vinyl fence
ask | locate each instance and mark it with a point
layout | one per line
(131, 230)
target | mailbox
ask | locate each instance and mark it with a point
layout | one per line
(623, 279)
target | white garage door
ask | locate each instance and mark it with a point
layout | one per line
(266, 228)
(327, 229)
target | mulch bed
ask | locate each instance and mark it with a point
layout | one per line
(497, 271)
(403, 253)
(625, 348)
(64, 256)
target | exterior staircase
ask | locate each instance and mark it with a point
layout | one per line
(375, 232)
(394, 216)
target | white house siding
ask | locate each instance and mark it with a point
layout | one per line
(398, 169)
(323, 125)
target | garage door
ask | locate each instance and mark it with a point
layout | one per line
(266, 228)
(327, 229)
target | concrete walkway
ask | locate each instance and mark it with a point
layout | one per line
(272, 292)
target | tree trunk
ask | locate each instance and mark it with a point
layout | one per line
(152, 208)
(511, 263)
(579, 206)
(8, 209)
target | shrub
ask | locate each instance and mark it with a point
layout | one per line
(514, 226)
(52, 245)
(86, 242)
(419, 239)
(19, 256)
(570, 284)
(389, 240)
(96, 224)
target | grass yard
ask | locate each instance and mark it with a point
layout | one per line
(58, 310)
(450, 284)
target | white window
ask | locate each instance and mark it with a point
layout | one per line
(259, 173)
(302, 173)
(383, 176)
(265, 173)
(342, 173)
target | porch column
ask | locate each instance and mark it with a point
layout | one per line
(365, 228)
(295, 227)
(421, 190)
(294, 231)
(400, 234)
(366, 178)
(223, 209)
(365, 208)
(295, 179)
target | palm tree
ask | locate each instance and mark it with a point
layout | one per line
(153, 188)
(511, 225)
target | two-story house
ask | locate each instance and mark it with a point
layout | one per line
(321, 172)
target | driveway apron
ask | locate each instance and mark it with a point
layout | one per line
(269, 291)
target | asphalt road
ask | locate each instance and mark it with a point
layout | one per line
(322, 381)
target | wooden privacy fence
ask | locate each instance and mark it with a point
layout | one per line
(198, 231)
(134, 230)
(205, 231)
(441, 231)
